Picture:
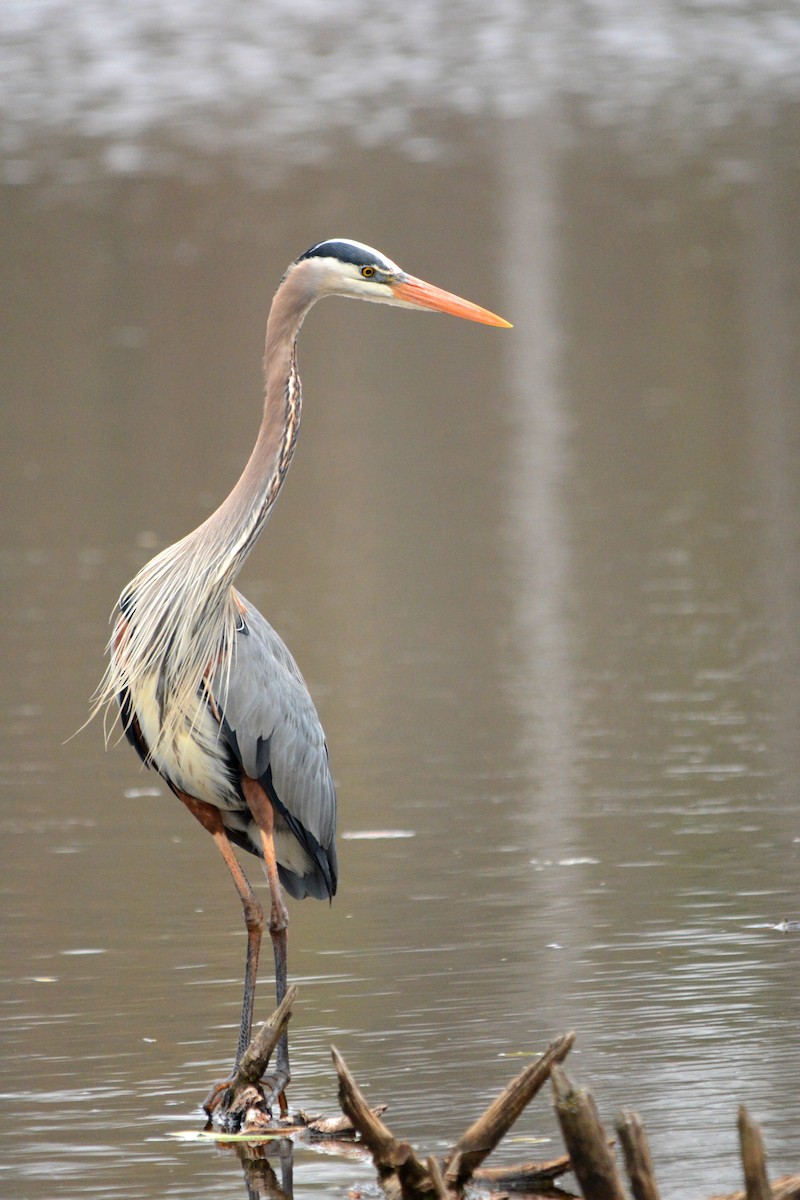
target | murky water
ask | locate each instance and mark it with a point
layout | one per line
(544, 585)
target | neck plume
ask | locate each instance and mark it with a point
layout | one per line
(177, 618)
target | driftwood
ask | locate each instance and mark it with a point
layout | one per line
(338, 1127)
(403, 1175)
(590, 1158)
(482, 1137)
(243, 1102)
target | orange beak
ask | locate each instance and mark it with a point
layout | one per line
(425, 295)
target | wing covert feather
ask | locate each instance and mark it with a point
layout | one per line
(267, 706)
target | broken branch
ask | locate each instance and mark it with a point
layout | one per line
(754, 1162)
(638, 1162)
(585, 1139)
(391, 1156)
(254, 1061)
(482, 1137)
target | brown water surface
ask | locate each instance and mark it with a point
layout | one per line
(544, 585)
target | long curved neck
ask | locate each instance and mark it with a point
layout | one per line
(237, 523)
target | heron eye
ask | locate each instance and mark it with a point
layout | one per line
(367, 272)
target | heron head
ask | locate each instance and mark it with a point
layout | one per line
(343, 267)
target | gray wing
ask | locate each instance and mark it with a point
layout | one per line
(271, 725)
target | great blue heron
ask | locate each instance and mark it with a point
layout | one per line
(209, 695)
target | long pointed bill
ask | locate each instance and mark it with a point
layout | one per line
(424, 295)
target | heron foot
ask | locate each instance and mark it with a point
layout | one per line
(231, 1104)
(217, 1097)
(274, 1086)
(229, 1109)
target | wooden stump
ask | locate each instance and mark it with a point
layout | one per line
(638, 1162)
(754, 1162)
(586, 1142)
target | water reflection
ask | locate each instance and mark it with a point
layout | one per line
(261, 1181)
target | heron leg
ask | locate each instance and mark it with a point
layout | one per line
(211, 819)
(261, 807)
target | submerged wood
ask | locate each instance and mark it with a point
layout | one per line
(785, 1188)
(338, 1126)
(523, 1177)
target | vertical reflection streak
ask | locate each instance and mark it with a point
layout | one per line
(541, 665)
(766, 288)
